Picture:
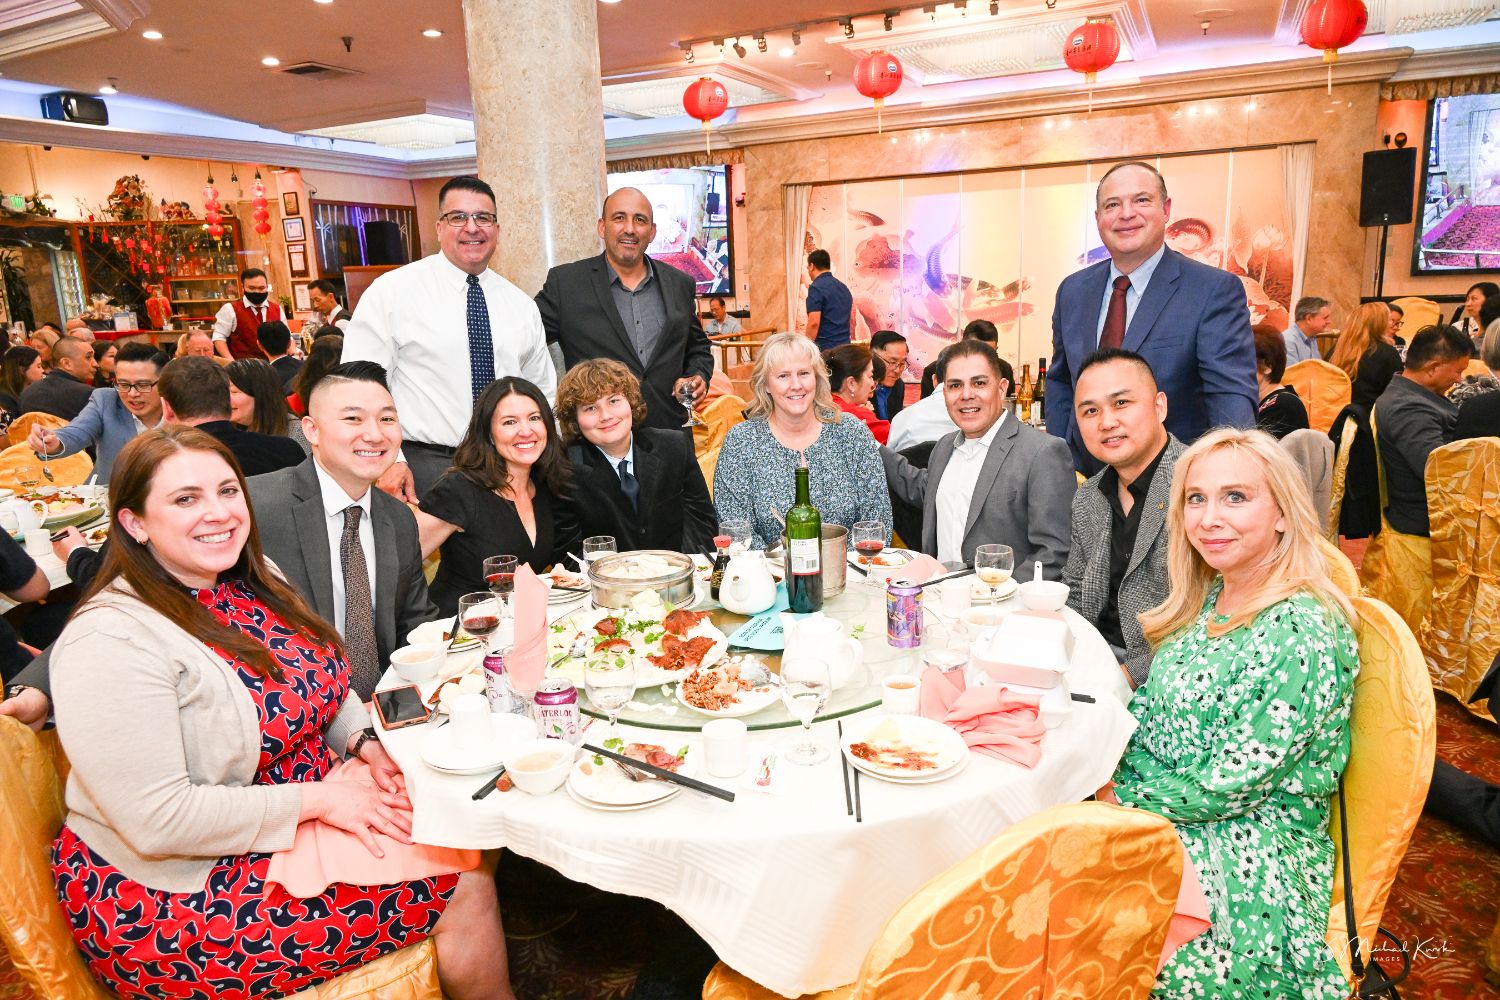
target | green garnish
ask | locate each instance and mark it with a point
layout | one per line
(613, 743)
(857, 631)
(682, 754)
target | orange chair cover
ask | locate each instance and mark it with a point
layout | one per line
(718, 416)
(20, 428)
(1393, 733)
(1477, 368)
(1458, 634)
(1340, 476)
(1324, 389)
(1073, 901)
(1397, 567)
(1416, 313)
(19, 466)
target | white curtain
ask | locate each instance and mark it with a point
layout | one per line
(1296, 183)
(794, 225)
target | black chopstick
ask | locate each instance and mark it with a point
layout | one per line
(857, 567)
(664, 774)
(453, 631)
(1085, 698)
(948, 576)
(571, 590)
(844, 766)
(489, 786)
(859, 815)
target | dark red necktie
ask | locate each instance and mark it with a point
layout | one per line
(1113, 334)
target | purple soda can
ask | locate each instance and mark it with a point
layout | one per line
(496, 683)
(556, 709)
(903, 614)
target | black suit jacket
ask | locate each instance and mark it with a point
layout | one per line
(257, 454)
(674, 510)
(59, 394)
(289, 511)
(579, 315)
(1478, 416)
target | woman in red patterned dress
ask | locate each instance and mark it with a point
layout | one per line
(201, 703)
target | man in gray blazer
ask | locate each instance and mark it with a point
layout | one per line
(1118, 565)
(362, 571)
(995, 480)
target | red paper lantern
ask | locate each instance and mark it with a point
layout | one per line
(212, 218)
(130, 244)
(1092, 48)
(260, 215)
(878, 76)
(263, 228)
(705, 99)
(1331, 25)
(210, 198)
(215, 230)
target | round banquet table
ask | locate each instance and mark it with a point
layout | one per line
(784, 885)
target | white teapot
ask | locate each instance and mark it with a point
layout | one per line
(26, 516)
(748, 587)
(822, 638)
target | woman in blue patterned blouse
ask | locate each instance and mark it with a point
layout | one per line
(792, 415)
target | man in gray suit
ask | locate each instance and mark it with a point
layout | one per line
(995, 480)
(351, 550)
(1118, 564)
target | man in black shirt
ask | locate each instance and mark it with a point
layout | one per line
(1117, 567)
(195, 392)
(66, 389)
(276, 340)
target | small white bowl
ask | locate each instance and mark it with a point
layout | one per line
(985, 617)
(1044, 595)
(540, 781)
(418, 663)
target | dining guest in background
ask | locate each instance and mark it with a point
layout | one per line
(104, 362)
(1243, 724)
(1479, 409)
(227, 706)
(1312, 316)
(195, 392)
(65, 390)
(830, 306)
(195, 344)
(22, 581)
(719, 319)
(641, 485)
(276, 341)
(1280, 410)
(853, 371)
(331, 317)
(979, 329)
(890, 392)
(1367, 354)
(325, 355)
(1398, 320)
(792, 416)
(113, 416)
(995, 480)
(257, 403)
(1466, 316)
(506, 494)
(42, 340)
(21, 367)
(236, 322)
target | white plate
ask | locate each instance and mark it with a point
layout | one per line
(433, 632)
(749, 703)
(606, 787)
(913, 730)
(441, 753)
(979, 591)
(581, 800)
(924, 779)
(647, 674)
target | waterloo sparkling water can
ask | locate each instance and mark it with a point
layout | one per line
(556, 709)
(496, 683)
(903, 614)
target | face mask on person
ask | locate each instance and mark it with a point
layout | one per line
(257, 298)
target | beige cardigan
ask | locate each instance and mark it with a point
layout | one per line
(164, 741)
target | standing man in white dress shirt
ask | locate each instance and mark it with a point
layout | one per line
(445, 327)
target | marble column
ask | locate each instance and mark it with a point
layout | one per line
(539, 125)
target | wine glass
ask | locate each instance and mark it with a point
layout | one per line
(993, 565)
(610, 683)
(868, 538)
(598, 546)
(685, 396)
(500, 576)
(805, 687)
(479, 615)
(737, 531)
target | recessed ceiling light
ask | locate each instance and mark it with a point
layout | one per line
(270, 61)
(322, 1)
(432, 33)
(152, 34)
(787, 52)
(109, 88)
(609, 1)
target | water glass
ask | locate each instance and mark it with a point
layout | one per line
(685, 397)
(610, 684)
(598, 545)
(737, 530)
(805, 687)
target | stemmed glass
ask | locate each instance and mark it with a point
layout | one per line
(868, 538)
(805, 687)
(479, 615)
(610, 684)
(500, 576)
(737, 530)
(685, 396)
(598, 546)
(993, 565)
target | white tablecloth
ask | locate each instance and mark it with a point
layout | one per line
(785, 886)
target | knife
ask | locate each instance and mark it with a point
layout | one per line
(664, 774)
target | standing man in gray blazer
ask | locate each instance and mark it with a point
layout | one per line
(1118, 564)
(995, 480)
(351, 550)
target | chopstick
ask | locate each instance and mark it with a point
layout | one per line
(571, 590)
(664, 774)
(859, 814)
(488, 786)
(1085, 698)
(844, 766)
(856, 566)
(947, 576)
(453, 631)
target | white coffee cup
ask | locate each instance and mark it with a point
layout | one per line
(38, 541)
(901, 694)
(726, 747)
(470, 714)
(955, 596)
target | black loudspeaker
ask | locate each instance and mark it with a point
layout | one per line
(711, 205)
(65, 106)
(383, 243)
(1387, 185)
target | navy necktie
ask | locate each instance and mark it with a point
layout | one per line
(629, 485)
(481, 344)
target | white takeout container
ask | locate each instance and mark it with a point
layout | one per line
(1033, 648)
(545, 781)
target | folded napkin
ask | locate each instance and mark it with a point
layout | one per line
(527, 663)
(1190, 918)
(764, 631)
(921, 569)
(322, 855)
(992, 720)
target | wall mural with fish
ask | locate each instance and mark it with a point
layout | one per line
(925, 255)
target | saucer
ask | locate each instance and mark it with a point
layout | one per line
(441, 752)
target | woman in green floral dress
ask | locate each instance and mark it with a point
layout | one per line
(1244, 721)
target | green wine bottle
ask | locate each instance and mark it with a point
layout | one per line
(804, 551)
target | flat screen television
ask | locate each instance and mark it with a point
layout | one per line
(1459, 228)
(691, 210)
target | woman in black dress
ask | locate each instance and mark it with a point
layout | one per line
(1281, 410)
(504, 495)
(1365, 350)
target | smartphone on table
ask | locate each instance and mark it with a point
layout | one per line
(401, 707)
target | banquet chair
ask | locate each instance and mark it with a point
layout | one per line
(718, 416)
(1313, 451)
(1340, 569)
(35, 933)
(1324, 389)
(1393, 733)
(1397, 567)
(1340, 480)
(1457, 635)
(21, 427)
(20, 468)
(1476, 368)
(1072, 901)
(1416, 313)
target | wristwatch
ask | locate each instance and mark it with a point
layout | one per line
(14, 690)
(365, 736)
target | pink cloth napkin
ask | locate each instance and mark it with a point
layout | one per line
(322, 855)
(527, 663)
(919, 570)
(1191, 915)
(992, 720)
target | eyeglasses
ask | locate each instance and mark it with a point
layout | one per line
(140, 388)
(457, 220)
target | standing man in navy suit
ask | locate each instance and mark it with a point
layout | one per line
(1188, 320)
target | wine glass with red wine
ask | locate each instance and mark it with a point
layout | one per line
(500, 577)
(868, 538)
(479, 615)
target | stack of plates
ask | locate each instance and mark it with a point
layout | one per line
(442, 752)
(606, 787)
(905, 749)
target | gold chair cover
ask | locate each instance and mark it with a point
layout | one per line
(20, 428)
(19, 466)
(1324, 389)
(1477, 368)
(1071, 902)
(36, 934)
(1340, 569)
(1416, 313)
(718, 416)
(1459, 634)
(1397, 567)
(1393, 733)
(1340, 476)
